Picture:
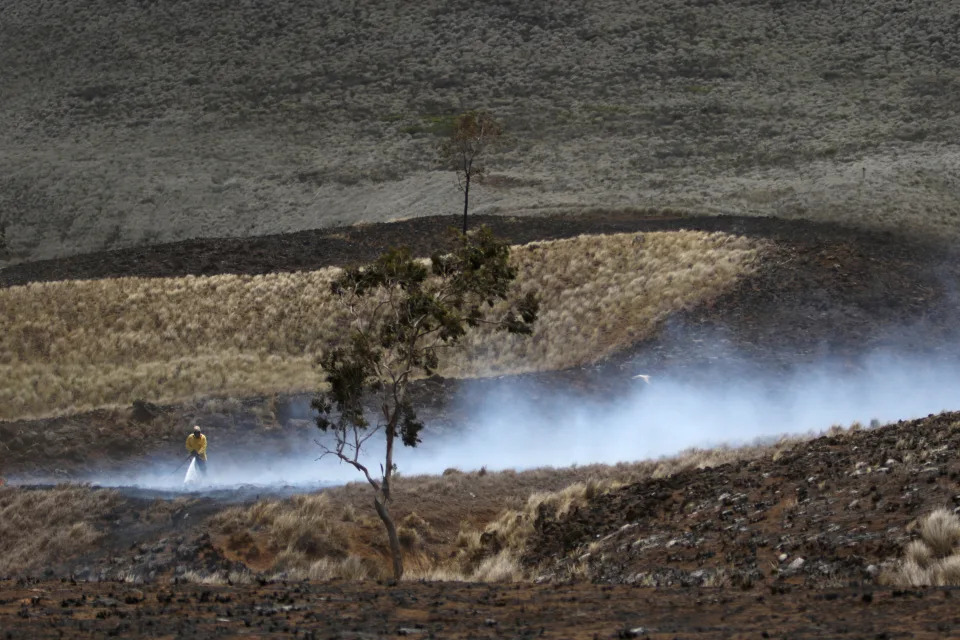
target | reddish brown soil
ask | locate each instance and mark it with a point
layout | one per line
(438, 610)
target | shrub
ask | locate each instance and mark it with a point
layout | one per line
(941, 531)
(409, 538)
(931, 560)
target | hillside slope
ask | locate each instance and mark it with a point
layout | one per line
(821, 513)
(147, 122)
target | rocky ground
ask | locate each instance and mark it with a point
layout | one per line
(827, 512)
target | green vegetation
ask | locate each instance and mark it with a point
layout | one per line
(402, 312)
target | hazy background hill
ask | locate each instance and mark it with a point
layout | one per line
(155, 120)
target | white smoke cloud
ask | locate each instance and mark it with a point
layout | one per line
(524, 424)
(671, 414)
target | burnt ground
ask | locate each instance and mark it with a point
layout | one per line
(842, 505)
(437, 610)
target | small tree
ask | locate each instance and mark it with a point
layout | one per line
(403, 312)
(472, 133)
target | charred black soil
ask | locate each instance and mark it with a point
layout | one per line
(437, 610)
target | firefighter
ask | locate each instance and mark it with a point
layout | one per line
(197, 446)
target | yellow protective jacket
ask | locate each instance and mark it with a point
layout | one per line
(197, 444)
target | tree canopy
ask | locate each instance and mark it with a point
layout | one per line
(403, 312)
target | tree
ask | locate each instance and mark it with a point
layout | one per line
(403, 311)
(472, 133)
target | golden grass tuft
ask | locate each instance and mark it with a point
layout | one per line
(493, 555)
(299, 530)
(933, 559)
(77, 345)
(39, 528)
(352, 568)
(941, 532)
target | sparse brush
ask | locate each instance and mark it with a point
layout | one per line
(348, 514)
(509, 534)
(434, 574)
(468, 539)
(351, 568)
(502, 567)
(409, 538)
(301, 529)
(947, 571)
(313, 536)
(919, 553)
(415, 522)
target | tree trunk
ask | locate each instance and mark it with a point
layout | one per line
(381, 507)
(466, 199)
(395, 552)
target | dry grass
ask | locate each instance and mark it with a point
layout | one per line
(941, 532)
(509, 535)
(307, 536)
(601, 293)
(303, 528)
(73, 346)
(218, 577)
(40, 528)
(934, 558)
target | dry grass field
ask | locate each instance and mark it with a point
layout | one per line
(150, 122)
(75, 345)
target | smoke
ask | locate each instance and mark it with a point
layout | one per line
(525, 424)
(673, 413)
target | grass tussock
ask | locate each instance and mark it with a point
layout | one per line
(40, 528)
(934, 558)
(493, 555)
(78, 345)
(300, 530)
